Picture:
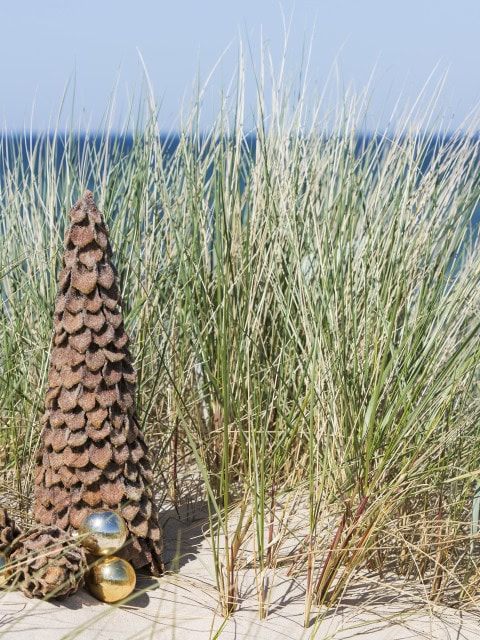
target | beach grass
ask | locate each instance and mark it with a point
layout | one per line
(303, 303)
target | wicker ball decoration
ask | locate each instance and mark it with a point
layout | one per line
(5, 571)
(46, 562)
(9, 530)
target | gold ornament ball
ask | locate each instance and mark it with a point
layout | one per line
(112, 579)
(103, 532)
(4, 569)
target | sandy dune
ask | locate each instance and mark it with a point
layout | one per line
(184, 605)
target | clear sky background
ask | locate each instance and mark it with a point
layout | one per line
(92, 47)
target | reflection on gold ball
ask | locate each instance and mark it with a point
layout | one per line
(4, 569)
(111, 579)
(103, 532)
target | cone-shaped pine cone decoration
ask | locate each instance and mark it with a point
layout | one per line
(8, 530)
(46, 562)
(93, 454)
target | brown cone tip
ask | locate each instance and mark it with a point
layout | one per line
(93, 454)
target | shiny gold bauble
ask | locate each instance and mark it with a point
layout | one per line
(111, 579)
(103, 532)
(4, 569)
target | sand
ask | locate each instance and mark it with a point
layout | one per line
(184, 605)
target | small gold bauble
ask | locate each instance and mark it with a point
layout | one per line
(103, 532)
(4, 569)
(111, 579)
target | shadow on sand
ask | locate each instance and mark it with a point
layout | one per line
(183, 533)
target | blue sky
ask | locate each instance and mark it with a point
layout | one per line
(94, 46)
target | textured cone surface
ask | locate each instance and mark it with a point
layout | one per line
(8, 530)
(92, 453)
(46, 563)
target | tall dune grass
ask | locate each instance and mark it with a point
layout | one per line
(304, 314)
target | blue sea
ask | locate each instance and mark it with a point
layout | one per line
(33, 146)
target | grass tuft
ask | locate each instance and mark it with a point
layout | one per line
(304, 311)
